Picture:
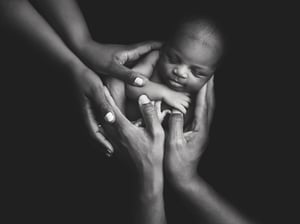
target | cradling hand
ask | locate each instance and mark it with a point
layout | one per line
(183, 150)
(111, 59)
(145, 145)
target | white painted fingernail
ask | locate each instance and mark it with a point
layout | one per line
(109, 117)
(143, 99)
(138, 81)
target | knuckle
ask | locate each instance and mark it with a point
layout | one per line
(176, 143)
(158, 133)
(118, 58)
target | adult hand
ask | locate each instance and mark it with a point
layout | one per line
(93, 104)
(145, 147)
(110, 59)
(197, 112)
(67, 19)
(144, 144)
(183, 150)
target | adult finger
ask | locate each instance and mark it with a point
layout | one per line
(210, 97)
(119, 71)
(101, 105)
(93, 129)
(149, 114)
(140, 49)
(200, 109)
(121, 58)
(176, 122)
(120, 120)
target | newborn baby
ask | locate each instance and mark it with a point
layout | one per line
(177, 72)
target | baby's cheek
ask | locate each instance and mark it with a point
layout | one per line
(196, 84)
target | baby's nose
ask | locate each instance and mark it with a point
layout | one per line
(181, 72)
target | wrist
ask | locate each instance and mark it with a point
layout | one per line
(182, 179)
(151, 182)
(75, 67)
(80, 43)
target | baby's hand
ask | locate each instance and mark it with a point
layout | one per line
(160, 114)
(177, 100)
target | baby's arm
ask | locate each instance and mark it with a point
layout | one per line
(145, 67)
(156, 91)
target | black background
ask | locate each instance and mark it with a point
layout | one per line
(53, 172)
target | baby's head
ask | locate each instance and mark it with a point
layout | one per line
(190, 57)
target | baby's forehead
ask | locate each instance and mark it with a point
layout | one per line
(190, 41)
(198, 35)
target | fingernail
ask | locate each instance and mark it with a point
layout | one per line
(143, 99)
(109, 117)
(176, 112)
(138, 81)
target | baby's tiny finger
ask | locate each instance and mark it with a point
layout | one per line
(181, 108)
(185, 104)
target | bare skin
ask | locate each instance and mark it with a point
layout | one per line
(145, 147)
(182, 155)
(72, 35)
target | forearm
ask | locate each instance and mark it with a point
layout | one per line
(20, 17)
(154, 91)
(150, 203)
(66, 18)
(204, 202)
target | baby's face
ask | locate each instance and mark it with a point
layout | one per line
(187, 64)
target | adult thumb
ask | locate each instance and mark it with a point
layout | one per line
(176, 122)
(129, 76)
(149, 114)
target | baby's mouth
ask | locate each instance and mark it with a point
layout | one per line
(174, 84)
